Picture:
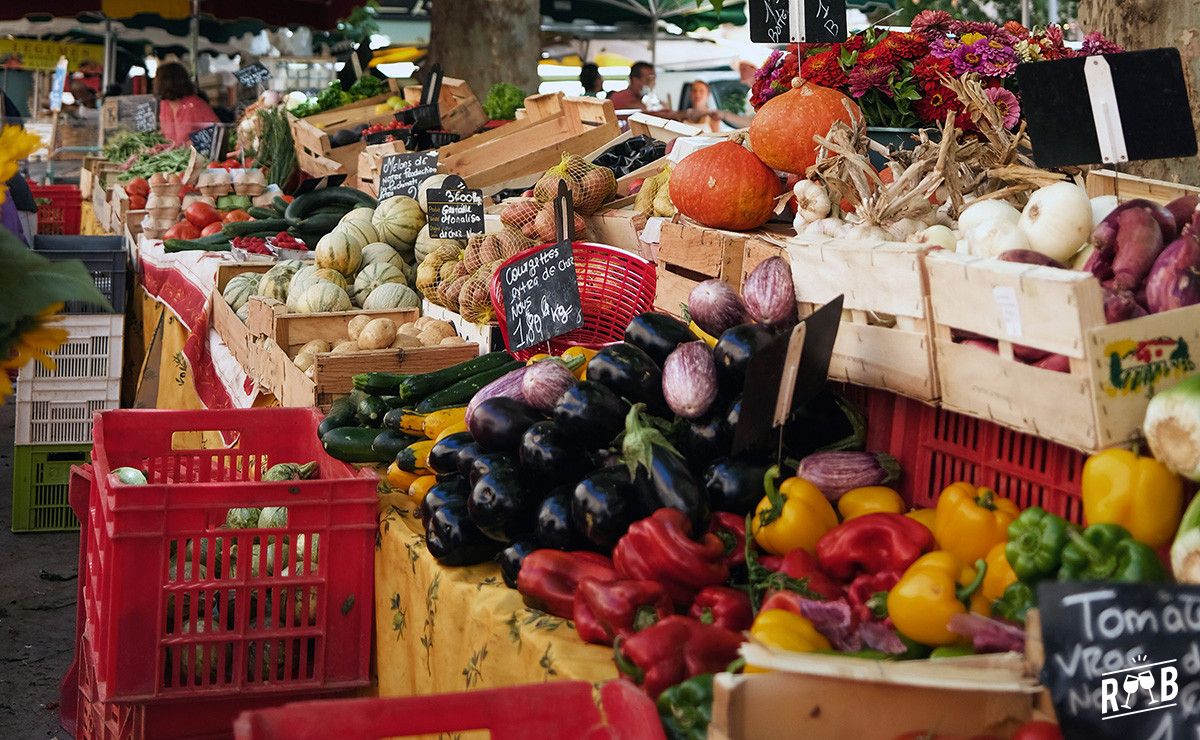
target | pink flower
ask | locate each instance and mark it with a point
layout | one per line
(1007, 103)
(969, 58)
(1096, 43)
(999, 59)
(943, 48)
(931, 23)
(866, 77)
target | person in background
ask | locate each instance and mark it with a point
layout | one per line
(180, 110)
(700, 104)
(86, 103)
(592, 80)
(641, 82)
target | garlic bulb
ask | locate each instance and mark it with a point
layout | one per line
(812, 202)
(832, 227)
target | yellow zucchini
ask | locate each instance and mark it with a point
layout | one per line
(399, 480)
(413, 424)
(437, 421)
(452, 429)
(421, 486)
(415, 457)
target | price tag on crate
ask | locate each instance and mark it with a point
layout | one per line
(140, 111)
(455, 211)
(1138, 102)
(255, 74)
(402, 174)
(1122, 659)
(805, 21)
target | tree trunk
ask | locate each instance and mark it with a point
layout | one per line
(1149, 24)
(487, 41)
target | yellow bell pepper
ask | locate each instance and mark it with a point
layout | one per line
(999, 574)
(924, 516)
(869, 500)
(932, 590)
(971, 521)
(399, 480)
(537, 358)
(780, 628)
(1139, 493)
(585, 353)
(793, 515)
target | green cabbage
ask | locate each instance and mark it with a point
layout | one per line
(502, 101)
(130, 476)
(273, 517)
(242, 518)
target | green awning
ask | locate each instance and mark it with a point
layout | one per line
(683, 13)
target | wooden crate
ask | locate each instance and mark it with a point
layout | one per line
(689, 254)
(460, 111)
(619, 225)
(228, 326)
(517, 153)
(885, 336)
(1114, 368)
(96, 172)
(316, 155)
(1130, 187)
(269, 318)
(370, 160)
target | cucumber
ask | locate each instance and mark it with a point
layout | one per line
(380, 384)
(352, 444)
(370, 411)
(463, 391)
(260, 212)
(245, 228)
(305, 205)
(417, 387)
(203, 244)
(389, 443)
(279, 205)
(341, 414)
(320, 224)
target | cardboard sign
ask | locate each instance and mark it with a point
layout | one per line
(140, 112)
(455, 211)
(1111, 108)
(541, 296)
(320, 183)
(402, 174)
(255, 74)
(805, 21)
(1122, 659)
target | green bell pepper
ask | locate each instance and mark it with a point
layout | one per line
(1016, 600)
(686, 708)
(1107, 552)
(1035, 543)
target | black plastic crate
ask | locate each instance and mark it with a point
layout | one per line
(104, 257)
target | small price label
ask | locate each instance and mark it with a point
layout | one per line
(541, 296)
(252, 75)
(402, 174)
(455, 211)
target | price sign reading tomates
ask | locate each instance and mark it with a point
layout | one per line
(455, 211)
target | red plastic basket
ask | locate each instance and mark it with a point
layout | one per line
(936, 447)
(557, 710)
(176, 605)
(61, 215)
(614, 286)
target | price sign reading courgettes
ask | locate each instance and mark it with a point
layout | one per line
(541, 296)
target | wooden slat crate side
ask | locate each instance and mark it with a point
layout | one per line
(1130, 187)
(526, 155)
(673, 291)
(269, 318)
(228, 326)
(334, 376)
(883, 277)
(618, 227)
(891, 358)
(708, 252)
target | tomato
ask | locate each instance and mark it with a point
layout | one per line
(183, 230)
(138, 186)
(287, 198)
(137, 202)
(201, 214)
(213, 228)
(236, 214)
(1038, 730)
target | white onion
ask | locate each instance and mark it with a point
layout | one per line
(1057, 220)
(1102, 205)
(987, 210)
(993, 238)
(936, 236)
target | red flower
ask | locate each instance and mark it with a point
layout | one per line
(930, 23)
(905, 45)
(854, 43)
(1016, 29)
(823, 69)
(867, 77)
(930, 69)
(880, 54)
(937, 103)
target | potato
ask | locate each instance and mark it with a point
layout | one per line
(356, 325)
(305, 360)
(405, 341)
(453, 341)
(445, 328)
(424, 321)
(316, 346)
(378, 334)
(345, 347)
(311, 372)
(411, 330)
(430, 338)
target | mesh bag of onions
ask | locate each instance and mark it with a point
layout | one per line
(500, 245)
(475, 300)
(441, 274)
(590, 186)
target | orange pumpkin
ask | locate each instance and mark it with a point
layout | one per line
(725, 186)
(782, 131)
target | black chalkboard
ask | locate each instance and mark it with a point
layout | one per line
(203, 140)
(541, 296)
(139, 112)
(402, 174)
(823, 21)
(1122, 659)
(454, 210)
(252, 75)
(1151, 99)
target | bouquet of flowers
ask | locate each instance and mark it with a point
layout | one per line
(897, 78)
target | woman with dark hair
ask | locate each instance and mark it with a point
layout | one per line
(592, 80)
(180, 110)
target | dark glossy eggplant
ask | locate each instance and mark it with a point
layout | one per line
(502, 506)
(603, 506)
(733, 352)
(552, 525)
(734, 485)
(443, 458)
(498, 423)
(510, 559)
(490, 462)
(632, 374)
(705, 439)
(452, 489)
(453, 539)
(668, 484)
(591, 414)
(828, 422)
(467, 455)
(602, 458)
(657, 334)
(549, 455)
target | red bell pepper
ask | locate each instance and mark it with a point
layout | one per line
(723, 606)
(872, 543)
(800, 564)
(618, 608)
(674, 650)
(550, 578)
(731, 528)
(660, 548)
(867, 595)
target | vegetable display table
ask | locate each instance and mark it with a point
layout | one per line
(441, 629)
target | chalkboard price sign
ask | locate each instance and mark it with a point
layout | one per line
(202, 140)
(140, 112)
(252, 75)
(805, 21)
(455, 211)
(541, 296)
(1122, 659)
(402, 174)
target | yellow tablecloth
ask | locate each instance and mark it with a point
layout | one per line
(440, 629)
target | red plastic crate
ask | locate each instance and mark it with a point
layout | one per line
(936, 447)
(64, 211)
(556, 710)
(294, 616)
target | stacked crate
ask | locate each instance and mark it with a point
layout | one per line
(54, 408)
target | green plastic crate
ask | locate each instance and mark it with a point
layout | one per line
(40, 480)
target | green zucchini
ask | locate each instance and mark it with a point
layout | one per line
(417, 387)
(261, 212)
(279, 205)
(352, 444)
(203, 244)
(341, 414)
(370, 411)
(389, 443)
(463, 391)
(379, 384)
(305, 205)
(393, 402)
(245, 228)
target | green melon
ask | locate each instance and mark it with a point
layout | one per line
(337, 251)
(372, 276)
(431, 182)
(392, 295)
(358, 214)
(306, 277)
(359, 231)
(323, 297)
(426, 244)
(398, 220)
(239, 289)
(380, 252)
(274, 282)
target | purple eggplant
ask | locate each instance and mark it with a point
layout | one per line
(769, 293)
(837, 472)
(715, 306)
(506, 386)
(544, 382)
(1174, 280)
(689, 380)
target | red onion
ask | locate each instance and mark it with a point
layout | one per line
(1029, 257)
(1166, 221)
(769, 293)
(1182, 208)
(1174, 281)
(991, 345)
(1121, 305)
(544, 383)
(1057, 363)
(690, 380)
(1139, 242)
(715, 307)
